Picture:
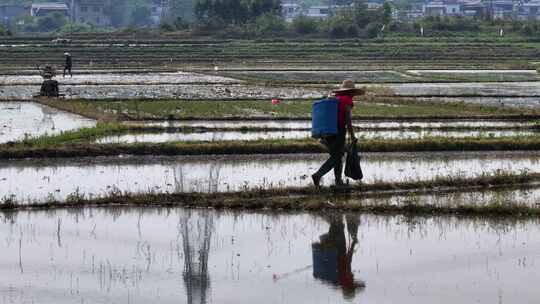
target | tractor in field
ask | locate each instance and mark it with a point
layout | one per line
(49, 86)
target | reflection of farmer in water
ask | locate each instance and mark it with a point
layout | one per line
(332, 256)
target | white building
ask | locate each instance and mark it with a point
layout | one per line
(91, 12)
(320, 11)
(43, 9)
(442, 8)
(528, 11)
(291, 10)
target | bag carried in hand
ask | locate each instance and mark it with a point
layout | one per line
(352, 164)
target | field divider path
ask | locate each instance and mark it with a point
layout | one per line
(55, 147)
(311, 198)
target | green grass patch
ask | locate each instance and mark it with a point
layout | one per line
(76, 144)
(386, 107)
(311, 198)
(75, 136)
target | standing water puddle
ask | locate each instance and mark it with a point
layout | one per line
(203, 256)
(234, 135)
(515, 89)
(306, 124)
(523, 102)
(38, 180)
(20, 119)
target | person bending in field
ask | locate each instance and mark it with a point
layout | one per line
(336, 143)
(68, 65)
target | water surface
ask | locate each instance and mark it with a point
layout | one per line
(269, 135)
(20, 119)
(203, 256)
(38, 180)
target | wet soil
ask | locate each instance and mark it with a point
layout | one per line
(131, 78)
(167, 91)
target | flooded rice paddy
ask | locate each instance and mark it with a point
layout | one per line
(324, 76)
(475, 72)
(306, 124)
(382, 76)
(163, 91)
(39, 180)
(21, 119)
(521, 102)
(202, 256)
(513, 89)
(131, 78)
(494, 75)
(256, 135)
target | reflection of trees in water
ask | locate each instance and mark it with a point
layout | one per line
(333, 254)
(209, 185)
(213, 177)
(178, 174)
(47, 120)
(196, 230)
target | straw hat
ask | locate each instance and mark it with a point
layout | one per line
(348, 87)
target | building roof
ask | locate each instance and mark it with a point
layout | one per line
(532, 3)
(49, 6)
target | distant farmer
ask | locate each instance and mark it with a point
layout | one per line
(336, 142)
(68, 65)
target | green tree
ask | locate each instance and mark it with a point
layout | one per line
(3, 30)
(386, 13)
(50, 22)
(303, 25)
(270, 24)
(235, 11)
(117, 11)
(141, 16)
(180, 9)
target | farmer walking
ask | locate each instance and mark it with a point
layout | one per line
(336, 143)
(68, 65)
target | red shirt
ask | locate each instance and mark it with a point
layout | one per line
(344, 101)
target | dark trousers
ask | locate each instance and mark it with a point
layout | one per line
(67, 68)
(336, 148)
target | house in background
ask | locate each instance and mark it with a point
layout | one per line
(501, 9)
(434, 9)
(11, 12)
(91, 12)
(290, 9)
(318, 11)
(158, 10)
(43, 9)
(442, 8)
(474, 9)
(528, 11)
